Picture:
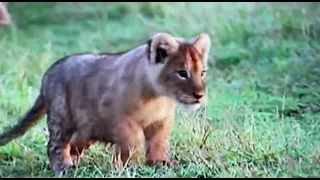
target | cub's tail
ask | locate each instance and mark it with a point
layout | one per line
(28, 121)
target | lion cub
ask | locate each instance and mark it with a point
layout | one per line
(5, 19)
(125, 99)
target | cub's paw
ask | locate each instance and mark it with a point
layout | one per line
(61, 170)
(171, 162)
(75, 160)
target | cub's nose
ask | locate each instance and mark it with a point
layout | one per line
(198, 95)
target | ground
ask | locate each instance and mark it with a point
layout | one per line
(262, 117)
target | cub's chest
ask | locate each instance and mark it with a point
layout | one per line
(155, 110)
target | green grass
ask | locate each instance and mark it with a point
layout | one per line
(262, 117)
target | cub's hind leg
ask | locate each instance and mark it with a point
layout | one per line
(58, 147)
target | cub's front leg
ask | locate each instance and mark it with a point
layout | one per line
(79, 143)
(77, 150)
(129, 139)
(157, 138)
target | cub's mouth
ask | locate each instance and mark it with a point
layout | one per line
(187, 100)
(189, 103)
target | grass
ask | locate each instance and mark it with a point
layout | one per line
(262, 118)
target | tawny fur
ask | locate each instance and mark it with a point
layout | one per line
(127, 99)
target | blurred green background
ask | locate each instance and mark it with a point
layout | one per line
(262, 117)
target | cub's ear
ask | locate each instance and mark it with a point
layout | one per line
(203, 44)
(160, 46)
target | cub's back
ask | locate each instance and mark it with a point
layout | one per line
(75, 69)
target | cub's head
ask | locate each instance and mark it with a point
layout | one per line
(177, 67)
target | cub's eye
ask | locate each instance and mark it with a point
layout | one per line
(203, 73)
(183, 74)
